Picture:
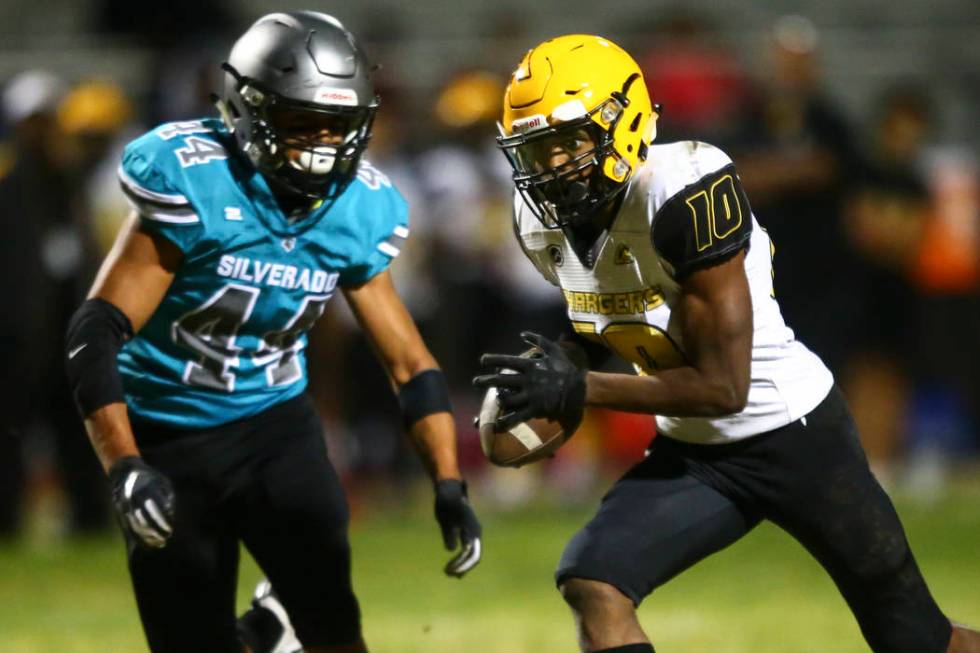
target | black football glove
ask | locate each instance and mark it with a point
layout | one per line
(459, 526)
(144, 501)
(549, 383)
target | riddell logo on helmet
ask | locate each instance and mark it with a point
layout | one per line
(531, 122)
(329, 95)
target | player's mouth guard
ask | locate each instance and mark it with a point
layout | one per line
(318, 161)
(465, 560)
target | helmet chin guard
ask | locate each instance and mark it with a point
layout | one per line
(302, 63)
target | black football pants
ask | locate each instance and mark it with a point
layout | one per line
(264, 481)
(685, 501)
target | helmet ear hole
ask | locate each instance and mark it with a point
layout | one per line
(635, 124)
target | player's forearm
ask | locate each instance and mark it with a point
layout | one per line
(426, 409)
(679, 392)
(434, 437)
(111, 434)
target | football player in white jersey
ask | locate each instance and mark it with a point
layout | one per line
(662, 263)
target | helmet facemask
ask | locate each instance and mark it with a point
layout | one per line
(284, 138)
(576, 188)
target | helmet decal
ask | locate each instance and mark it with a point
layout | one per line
(529, 124)
(330, 95)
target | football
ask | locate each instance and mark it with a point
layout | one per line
(525, 443)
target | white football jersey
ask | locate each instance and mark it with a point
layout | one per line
(684, 206)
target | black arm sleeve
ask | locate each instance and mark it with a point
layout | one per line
(424, 394)
(707, 222)
(95, 334)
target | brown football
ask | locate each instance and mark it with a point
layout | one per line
(525, 443)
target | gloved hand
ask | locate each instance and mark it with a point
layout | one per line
(459, 525)
(144, 500)
(548, 383)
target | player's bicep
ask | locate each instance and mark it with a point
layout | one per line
(390, 327)
(707, 222)
(137, 272)
(714, 313)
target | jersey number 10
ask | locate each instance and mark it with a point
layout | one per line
(716, 212)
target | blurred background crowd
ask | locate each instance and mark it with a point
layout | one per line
(853, 126)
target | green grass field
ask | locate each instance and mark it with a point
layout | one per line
(761, 595)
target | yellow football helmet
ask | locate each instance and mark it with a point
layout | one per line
(577, 121)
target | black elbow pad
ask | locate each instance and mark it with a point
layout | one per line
(95, 334)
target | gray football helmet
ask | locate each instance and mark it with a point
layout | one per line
(291, 71)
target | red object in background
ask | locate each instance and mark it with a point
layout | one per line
(698, 87)
(468, 447)
(625, 436)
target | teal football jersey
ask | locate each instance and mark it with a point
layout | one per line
(228, 339)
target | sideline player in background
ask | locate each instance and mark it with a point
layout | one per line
(661, 261)
(187, 361)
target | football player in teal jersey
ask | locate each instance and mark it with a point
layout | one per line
(187, 360)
